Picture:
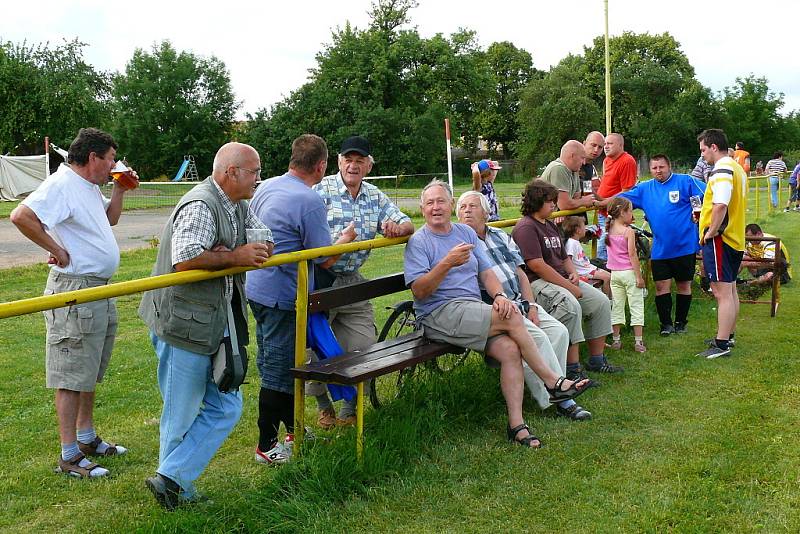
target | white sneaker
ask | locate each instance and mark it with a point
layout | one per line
(277, 455)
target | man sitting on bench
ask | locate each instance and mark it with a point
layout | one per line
(762, 273)
(443, 263)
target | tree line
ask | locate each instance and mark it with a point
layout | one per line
(395, 87)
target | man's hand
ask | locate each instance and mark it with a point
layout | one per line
(533, 314)
(574, 278)
(706, 236)
(135, 184)
(248, 255)
(505, 307)
(59, 258)
(348, 235)
(587, 201)
(392, 229)
(639, 281)
(458, 255)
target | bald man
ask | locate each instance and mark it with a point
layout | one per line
(563, 174)
(187, 322)
(593, 145)
(620, 173)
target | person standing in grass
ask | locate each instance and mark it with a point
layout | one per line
(562, 173)
(721, 230)
(619, 174)
(794, 192)
(774, 168)
(70, 218)
(188, 322)
(484, 173)
(667, 203)
(627, 282)
(350, 199)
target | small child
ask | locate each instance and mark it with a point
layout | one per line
(626, 274)
(484, 173)
(575, 230)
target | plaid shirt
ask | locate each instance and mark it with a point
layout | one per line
(506, 257)
(487, 190)
(368, 211)
(194, 230)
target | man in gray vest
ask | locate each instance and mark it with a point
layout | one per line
(187, 322)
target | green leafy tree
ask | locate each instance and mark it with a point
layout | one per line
(751, 116)
(510, 69)
(386, 83)
(169, 104)
(48, 91)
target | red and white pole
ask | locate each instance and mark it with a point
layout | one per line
(449, 154)
(46, 157)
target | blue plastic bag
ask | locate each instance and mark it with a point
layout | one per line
(321, 340)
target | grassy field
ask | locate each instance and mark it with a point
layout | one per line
(676, 443)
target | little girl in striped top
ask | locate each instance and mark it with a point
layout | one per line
(627, 283)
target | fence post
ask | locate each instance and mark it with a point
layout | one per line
(301, 320)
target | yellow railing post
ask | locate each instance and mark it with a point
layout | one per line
(758, 196)
(301, 319)
(360, 421)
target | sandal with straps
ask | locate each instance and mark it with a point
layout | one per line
(527, 440)
(90, 449)
(557, 394)
(71, 467)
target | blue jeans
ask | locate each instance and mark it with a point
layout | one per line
(774, 183)
(275, 331)
(602, 253)
(197, 417)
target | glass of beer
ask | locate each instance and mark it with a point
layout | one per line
(697, 205)
(257, 235)
(123, 174)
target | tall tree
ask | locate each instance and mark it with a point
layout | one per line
(169, 104)
(510, 70)
(48, 91)
(751, 116)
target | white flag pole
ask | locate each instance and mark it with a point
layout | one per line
(449, 155)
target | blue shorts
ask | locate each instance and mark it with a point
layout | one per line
(275, 337)
(720, 260)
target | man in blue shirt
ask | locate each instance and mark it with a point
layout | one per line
(666, 201)
(296, 216)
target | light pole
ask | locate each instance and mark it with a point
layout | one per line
(608, 77)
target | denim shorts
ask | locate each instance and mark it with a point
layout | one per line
(275, 331)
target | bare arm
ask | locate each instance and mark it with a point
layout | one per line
(634, 257)
(548, 274)
(505, 306)
(718, 212)
(566, 202)
(527, 294)
(476, 178)
(31, 227)
(221, 257)
(348, 235)
(114, 209)
(392, 229)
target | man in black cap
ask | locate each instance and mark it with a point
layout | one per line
(350, 199)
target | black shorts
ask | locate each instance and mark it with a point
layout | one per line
(680, 268)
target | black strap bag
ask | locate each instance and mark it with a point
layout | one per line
(229, 364)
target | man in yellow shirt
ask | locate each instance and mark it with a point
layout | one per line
(722, 222)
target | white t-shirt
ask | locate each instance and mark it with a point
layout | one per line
(73, 211)
(581, 262)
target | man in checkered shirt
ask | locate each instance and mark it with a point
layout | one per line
(187, 322)
(348, 198)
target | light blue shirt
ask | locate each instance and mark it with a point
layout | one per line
(368, 211)
(426, 249)
(296, 216)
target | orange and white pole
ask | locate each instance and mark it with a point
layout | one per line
(449, 154)
(46, 157)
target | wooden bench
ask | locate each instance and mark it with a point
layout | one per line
(384, 357)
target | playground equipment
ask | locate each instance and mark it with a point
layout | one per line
(187, 170)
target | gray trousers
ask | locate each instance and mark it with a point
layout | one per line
(593, 306)
(552, 340)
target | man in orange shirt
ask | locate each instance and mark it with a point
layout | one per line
(742, 156)
(619, 174)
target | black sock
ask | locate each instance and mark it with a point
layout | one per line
(664, 308)
(682, 305)
(722, 343)
(271, 409)
(287, 412)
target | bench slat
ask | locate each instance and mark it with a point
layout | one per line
(333, 297)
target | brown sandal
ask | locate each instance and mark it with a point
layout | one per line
(90, 449)
(71, 467)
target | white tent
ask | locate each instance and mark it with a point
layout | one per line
(21, 174)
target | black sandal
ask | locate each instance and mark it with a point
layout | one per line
(526, 441)
(557, 394)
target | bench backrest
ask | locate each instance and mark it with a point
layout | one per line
(333, 297)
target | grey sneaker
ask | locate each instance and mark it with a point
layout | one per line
(576, 412)
(714, 352)
(679, 328)
(711, 342)
(667, 329)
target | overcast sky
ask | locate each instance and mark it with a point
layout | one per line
(269, 46)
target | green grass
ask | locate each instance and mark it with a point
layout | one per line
(676, 444)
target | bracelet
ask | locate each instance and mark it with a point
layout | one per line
(499, 294)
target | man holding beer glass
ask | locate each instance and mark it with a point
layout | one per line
(669, 201)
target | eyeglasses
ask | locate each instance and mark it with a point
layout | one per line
(257, 172)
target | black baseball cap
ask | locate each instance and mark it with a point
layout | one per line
(355, 143)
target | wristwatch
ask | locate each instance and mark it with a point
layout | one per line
(499, 294)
